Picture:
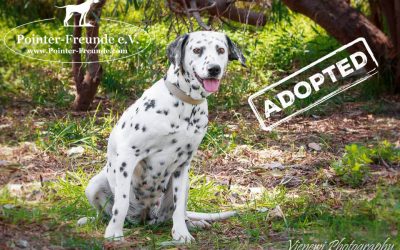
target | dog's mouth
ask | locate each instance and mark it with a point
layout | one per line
(209, 84)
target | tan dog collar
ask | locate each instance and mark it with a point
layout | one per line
(182, 95)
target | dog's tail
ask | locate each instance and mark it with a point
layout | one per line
(210, 216)
(60, 7)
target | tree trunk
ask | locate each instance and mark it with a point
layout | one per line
(397, 21)
(345, 23)
(227, 9)
(86, 83)
(376, 13)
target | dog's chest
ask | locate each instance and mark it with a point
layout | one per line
(187, 125)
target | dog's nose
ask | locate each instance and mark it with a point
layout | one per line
(213, 70)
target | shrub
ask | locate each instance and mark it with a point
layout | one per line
(354, 167)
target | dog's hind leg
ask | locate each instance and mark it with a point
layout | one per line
(166, 208)
(99, 193)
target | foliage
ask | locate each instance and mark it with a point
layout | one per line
(217, 138)
(68, 132)
(354, 167)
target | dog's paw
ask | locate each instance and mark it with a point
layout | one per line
(113, 234)
(181, 234)
(197, 224)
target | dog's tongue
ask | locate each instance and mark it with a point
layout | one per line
(211, 85)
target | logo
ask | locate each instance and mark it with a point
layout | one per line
(314, 84)
(82, 9)
(45, 41)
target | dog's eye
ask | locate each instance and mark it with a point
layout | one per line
(197, 50)
(221, 50)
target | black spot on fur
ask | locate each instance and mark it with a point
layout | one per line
(177, 174)
(173, 141)
(114, 220)
(115, 211)
(125, 174)
(176, 189)
(137, 126)
(124, 196)
(158, 111)
(124, 164)
(149, 104)
(174, 198)
(123, 125)
(144, 129)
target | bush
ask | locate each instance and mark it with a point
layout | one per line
(354, 167)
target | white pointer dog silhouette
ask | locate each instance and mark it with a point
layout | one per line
(82, 9)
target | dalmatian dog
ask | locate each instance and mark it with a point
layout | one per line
(146, 177)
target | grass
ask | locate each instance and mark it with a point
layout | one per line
(303, 217)
(347, 205)
(68, 132)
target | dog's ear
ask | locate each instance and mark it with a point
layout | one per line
(176, 50)
(234, 52)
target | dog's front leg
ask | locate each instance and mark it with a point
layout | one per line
(124, 168)
(180, 183)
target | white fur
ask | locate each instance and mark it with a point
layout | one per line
(150, 149)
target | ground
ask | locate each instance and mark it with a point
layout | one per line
(283, 183)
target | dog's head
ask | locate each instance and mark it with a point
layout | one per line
(202, 58)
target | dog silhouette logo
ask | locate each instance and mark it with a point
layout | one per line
(82, 9)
